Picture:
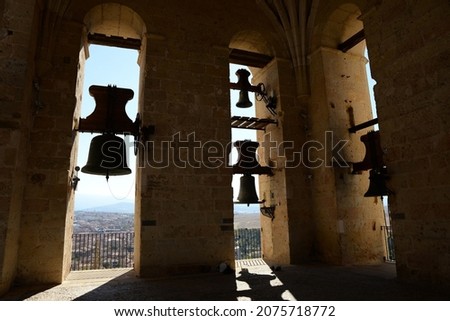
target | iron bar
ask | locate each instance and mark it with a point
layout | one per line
(116, 249)
(247, 58)
(102, 250)
(251, 122)
(114, 41)
(366, 124)
(247, 243)
(389, 241)
(352, 41)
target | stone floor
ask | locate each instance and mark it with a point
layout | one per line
(252, 280)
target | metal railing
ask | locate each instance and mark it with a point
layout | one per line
(389, 241)
(247, 243)
(91, 251)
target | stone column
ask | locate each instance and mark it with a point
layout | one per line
(410, 65)
(348, 225)
(185, 197)
(287, 238)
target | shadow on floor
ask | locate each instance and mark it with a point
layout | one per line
(249, 282)
(353, 283)
(200, 287)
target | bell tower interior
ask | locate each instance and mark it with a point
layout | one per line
(324, 163)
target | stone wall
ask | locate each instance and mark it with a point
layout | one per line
(410, 62)
(17, 97)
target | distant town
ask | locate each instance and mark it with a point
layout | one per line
(103, 237)
(120, 218)
(93, 221)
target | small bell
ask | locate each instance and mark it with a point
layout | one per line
(244, 101)
(244, 85)
(247, 190)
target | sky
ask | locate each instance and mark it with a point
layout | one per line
(117, 66)
(107, 66)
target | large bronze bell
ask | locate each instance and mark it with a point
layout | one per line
(247, 190)
(107, 156)
(244, 101)
(377, 185)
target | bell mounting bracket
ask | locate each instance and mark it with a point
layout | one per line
(259, 90)
(109, 115)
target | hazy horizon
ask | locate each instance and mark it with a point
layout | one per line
(104, 203)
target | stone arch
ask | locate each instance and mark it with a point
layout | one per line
(114, 19)
(339, 100)
(341, 25)
(253, 41)
(337, 24)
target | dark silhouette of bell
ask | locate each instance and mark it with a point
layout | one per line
(247, 190)
(244, 101)
(107, 156)
(247, 154)
(244, 86)
(374, 153)
(377, 185)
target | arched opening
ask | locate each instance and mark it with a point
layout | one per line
(349, 220)
(247, 225)
(387, 227)
(105, 208)
(246, 216)
(251, 50)
(103, 234)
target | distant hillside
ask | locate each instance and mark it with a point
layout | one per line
(121, 207)
(85, 202)
(244, 209)
(128, 207)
